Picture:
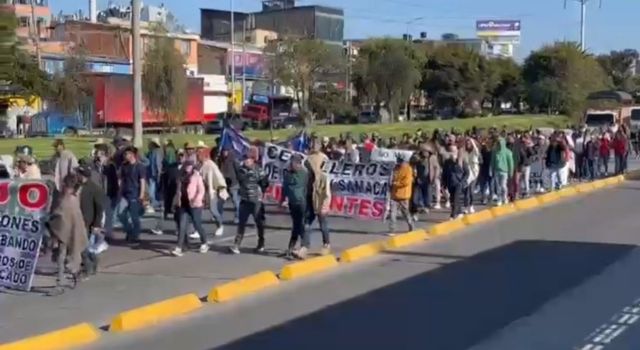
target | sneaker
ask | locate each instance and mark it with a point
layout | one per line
(219, 231)
(259, 250)
(447, 205)
(101, 247)
(415, 217)
(465, 211)
(326, 250)
(472, 210)
(390, 234)
(150, 210)
(194, 235)
(498, 203)
(204, 248)
(236, 221)
(301, 253)
(157, 232)
(234, 249)
(177, 252)
(459, 216)
(437, 207)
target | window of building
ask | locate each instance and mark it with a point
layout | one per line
(24, 21)
(185, 47)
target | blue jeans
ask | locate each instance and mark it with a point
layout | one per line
(216, 208)
(324, 227)
(235, 199)
(130, 218)
(111, 214)
(502, 186)
(298, 230)
(555, 178)
(422, 194)
(152, 191)
(195, 215)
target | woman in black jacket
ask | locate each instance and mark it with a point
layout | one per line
(455, 172)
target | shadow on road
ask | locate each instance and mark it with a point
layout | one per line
(450, 308)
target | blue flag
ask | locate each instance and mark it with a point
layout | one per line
(300, 142)
(234, 141)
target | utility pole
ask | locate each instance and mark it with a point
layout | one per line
(35, 34)
(347, 86)
(244, 60)
(583, 21)
(233, 58)
(137, 74)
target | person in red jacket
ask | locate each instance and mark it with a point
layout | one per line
(620, 147)
(605, 153)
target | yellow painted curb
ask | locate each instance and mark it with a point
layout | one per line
(568, 192)
(621, 178)
(406, 239)
(151, 314)
(447, 227)
(479, 217)
(599, 184)
(527, 204)
(77, 335)
(585, 187)
(613, 180)
(243, 286)
(548, 197)
(503, 210)
(362, 252)
(307, 267)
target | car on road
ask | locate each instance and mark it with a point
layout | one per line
(368, 117)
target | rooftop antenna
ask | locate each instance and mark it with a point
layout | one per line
(583, 20)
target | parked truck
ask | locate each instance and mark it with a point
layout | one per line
(606, 108)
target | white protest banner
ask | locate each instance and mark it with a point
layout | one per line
(23, 206)
(390, 155)
(358, 190)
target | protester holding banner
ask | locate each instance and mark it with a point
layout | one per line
(401, 190)
(252, 182)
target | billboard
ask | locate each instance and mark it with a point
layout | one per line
(252, 64)
(499, 31)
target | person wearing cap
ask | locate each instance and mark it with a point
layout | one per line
(132, 191)
(120, 143)
(190, 152)
(155, 156)
(92, 200)
(188, 204)
(252, 181)
(401, 191)
(215, 185)
(294, 192)
(27, 168)
(65, 162)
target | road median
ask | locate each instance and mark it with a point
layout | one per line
(66, 338)
(243, 287)
(149, 315)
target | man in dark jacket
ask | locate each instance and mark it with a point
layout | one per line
(528, 157)
(155, 156)
(555, 161)
(252, 182)
(294, 190)
(228, 164)
(92, 201)
(455, 172)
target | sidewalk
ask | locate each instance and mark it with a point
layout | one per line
(130, 278)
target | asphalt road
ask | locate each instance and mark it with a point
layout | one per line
(563, 277)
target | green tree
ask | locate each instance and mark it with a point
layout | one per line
(508, 85)
(70, 87)
(387, 72)
(458, 79)
(164, 80)
(302, 64)
(559, 78)
(20, 74)
(619, 67)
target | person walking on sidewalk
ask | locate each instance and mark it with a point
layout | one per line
(92, 200)
(216, 188)
(502, 168)
(473, 159)
(64, 163)
(318, 199)
(455, 172)
(188, 204)
(133, 186)
(155, 156)
(252, 182)
(294, 192)
(401, 190)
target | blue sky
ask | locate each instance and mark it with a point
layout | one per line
(612, 27)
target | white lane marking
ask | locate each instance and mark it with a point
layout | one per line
(618, 324)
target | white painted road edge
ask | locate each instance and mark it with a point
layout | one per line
(606, 333)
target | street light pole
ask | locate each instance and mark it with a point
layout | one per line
(137, 74)
(413, 20)
(233, 57)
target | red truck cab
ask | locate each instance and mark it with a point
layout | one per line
(262, 110)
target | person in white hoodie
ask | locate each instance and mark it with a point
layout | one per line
(215, 186)
(473, 161)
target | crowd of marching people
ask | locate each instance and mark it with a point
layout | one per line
(118, 184)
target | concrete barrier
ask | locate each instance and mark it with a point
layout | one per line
(70, 337)
(479, 217)
(598, 184)
(632, 175)
(406, 239)
(568, 192)
(503, 210)
(585, 187)
(447, 227)
(242, 287)
(307, 267)
(612, 181)
(152, 314)
(362, 251)
(548, 198)
(527, 204)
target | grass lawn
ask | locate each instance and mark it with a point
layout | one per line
(81, 146)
